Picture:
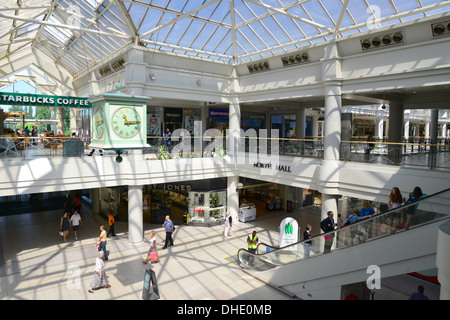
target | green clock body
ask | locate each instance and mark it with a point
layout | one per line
(126, 122)
(99, 122)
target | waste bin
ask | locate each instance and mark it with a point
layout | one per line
(150, 290)
(73, 148)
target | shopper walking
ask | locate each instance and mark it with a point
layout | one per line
(77, 203)
(328, 225)
(168, 228)
(152, 250)
(416, 195)
(102, 242)
(111, 222)
(76, 221)
(100, 277)
(228, 225)
(419, 294)
(307, 243)
(395, 200)
(64, 225)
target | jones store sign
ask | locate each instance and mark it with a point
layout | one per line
(39, 100)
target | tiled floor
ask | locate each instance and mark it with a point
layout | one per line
(36, 264)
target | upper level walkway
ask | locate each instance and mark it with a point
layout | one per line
(47, 170)
(412, 153)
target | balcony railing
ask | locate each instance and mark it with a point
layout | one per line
(414, 152)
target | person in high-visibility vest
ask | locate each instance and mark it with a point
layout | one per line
(252, 241)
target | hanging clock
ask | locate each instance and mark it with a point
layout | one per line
(99, 122)
(126, 122)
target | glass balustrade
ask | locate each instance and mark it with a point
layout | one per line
(420, 153)
(406, 218)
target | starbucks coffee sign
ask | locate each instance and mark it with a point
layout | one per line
(39, 100)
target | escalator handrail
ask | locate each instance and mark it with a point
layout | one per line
(375, 216)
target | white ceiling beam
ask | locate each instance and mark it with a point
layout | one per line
(65, 26)
(341, 16)
(292, 16)
(24, 8)
(233, 30)
(399, 16)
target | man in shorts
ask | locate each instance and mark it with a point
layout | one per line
(76, 220)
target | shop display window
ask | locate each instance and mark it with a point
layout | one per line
(109, 200)
(207, 206)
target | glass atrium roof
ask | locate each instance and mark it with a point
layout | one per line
(79, 34)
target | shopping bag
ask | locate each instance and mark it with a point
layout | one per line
(97, 245)
(154, 256)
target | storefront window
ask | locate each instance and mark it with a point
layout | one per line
(207, 206)
(154, 124)
(190, 117)
(252, 120)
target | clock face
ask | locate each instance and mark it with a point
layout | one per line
(99, 122)
(126, 122)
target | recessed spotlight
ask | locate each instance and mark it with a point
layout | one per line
(439, 29)
(398, 37)
(366, 44)
(386, 39)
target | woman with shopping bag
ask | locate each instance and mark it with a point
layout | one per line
(152, 254)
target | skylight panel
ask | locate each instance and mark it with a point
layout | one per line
(359, 11)
(177, 5)
(222, 13)
(317, 13)
(59, 33)
(208, 11)
(191, 33)
(93, 3)
(265, 34)
(405, 5)
(214, 39)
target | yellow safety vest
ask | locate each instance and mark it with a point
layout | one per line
(252, 245)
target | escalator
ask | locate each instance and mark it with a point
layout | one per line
(381, 241)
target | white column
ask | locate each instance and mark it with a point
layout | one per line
(329, 171)
(427, 128)
(234, 131)
(135, 215)
(73, 120)
(407, 115)
(135, 73)
(315, 125)
(443, 260)
(60, 118)
(379, 127)
(329, 168)
(233, 197)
